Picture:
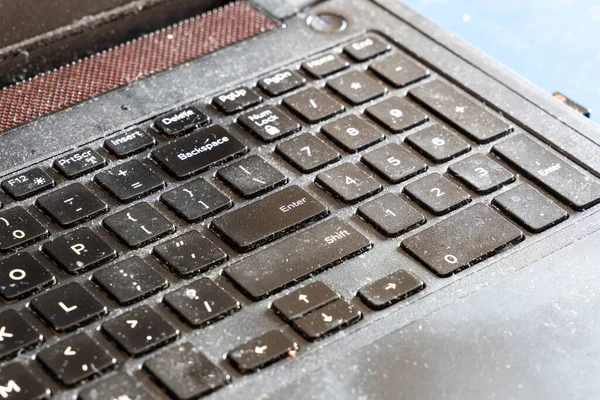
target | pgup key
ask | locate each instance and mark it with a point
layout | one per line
(18, 228)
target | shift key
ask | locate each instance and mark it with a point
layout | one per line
(578, 189)
(296, 258)
(269, 218)
(198, 152)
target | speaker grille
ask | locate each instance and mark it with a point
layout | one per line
(116, 67)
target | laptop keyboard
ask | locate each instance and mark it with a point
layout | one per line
(113, 251)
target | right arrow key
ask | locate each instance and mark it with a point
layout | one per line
(262, 351)
(390, 289)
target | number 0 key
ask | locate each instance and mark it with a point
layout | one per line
(462, 240)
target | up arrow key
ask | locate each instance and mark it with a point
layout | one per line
(390, 286)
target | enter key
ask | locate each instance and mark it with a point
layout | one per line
(269, 218)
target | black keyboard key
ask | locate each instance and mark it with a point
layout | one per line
(356, 87)
(186, 373)
(307, 153)
(398, 70)
(437, 194)
(190, 254)
(196, 200)
(396, 115)
(18, 228)
(481, 174)
(21, 275)
(130, 280)
(268, 219)
(296, 258)
(138, 225)
(437, 143)
(79, 163)
(530, 209)
(28, 183)
(140, 331)
(252, 177)
(118, 387)
(463, 239)
(327, 320)
(348, 183)
(391, 289)
(461, 112)
(68, 307)
(76, 359)
(201, 303)
(198, 152)
(282, 82)
(79, 251)
(129, 143)
(19, 383)
(16, 335)
(391, 215)
(181, 121)
(262, 351)
(325, 65)
(268, 123)
(129, 181)
(579, 190)
(394, 163)
(366, 48)
(313, 106)
(72, 205)
(304, 300)
(237, 100)
(352, 133)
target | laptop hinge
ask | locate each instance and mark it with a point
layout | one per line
(283, 9)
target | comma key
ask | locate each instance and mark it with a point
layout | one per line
(198, 152)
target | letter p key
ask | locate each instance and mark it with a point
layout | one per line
(78, 248)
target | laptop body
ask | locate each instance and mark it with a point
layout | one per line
(499, 313)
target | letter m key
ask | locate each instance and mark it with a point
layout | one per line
(10, 387)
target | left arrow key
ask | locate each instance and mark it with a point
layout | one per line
(262, 351)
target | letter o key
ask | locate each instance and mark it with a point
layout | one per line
(17, 274)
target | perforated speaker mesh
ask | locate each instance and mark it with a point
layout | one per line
(131, 61)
